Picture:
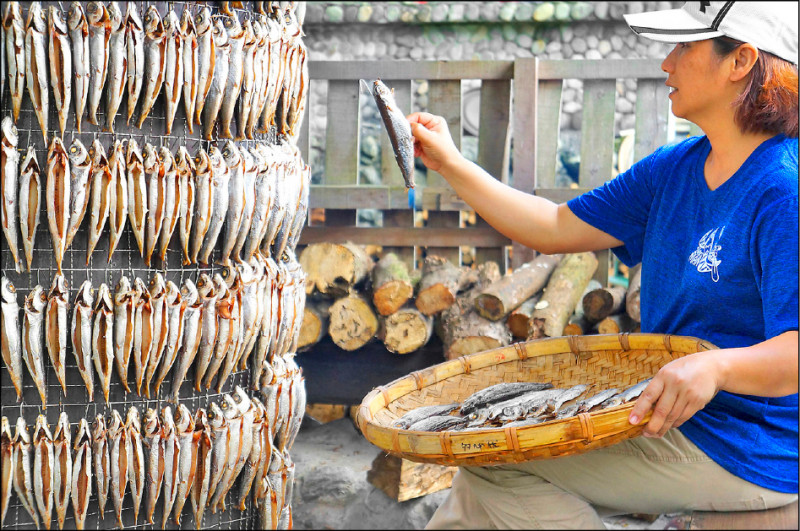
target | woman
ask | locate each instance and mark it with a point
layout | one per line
(713, 220)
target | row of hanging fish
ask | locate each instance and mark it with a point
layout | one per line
(216, 324)
(260, 193)
(216, 64)
(187, 457)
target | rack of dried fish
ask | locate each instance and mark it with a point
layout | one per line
(461, 426)
(61, 251)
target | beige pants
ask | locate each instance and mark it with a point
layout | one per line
(641, 475)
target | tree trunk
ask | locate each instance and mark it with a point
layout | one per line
(353, 322)
(561, 295)
(517, 321)
(632, 306)
(616, 324)
(440, 283)
(503, 296)
(391, 285)
(406, 330)
(578, 326)
(315, 323)
(591, 286)
(333, 269)
(600, 303)
(403, 480)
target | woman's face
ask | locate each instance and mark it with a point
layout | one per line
(697, 79)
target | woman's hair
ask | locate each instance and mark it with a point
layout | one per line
(769, 101)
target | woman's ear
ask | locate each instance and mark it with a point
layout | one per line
(744, 58)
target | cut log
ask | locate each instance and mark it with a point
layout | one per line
(353, 322)
(600, 303)
(616, 324)
(315, 323)
(406, 330)
(333, 269)
(403, 480)
(324, 413)
(503, 296)
(591, 286)
(391, 284)
(578, 325)
(632, 306)
(517, 321)
(561, 295)
(440, 283)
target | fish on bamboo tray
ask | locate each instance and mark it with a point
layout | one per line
(534, 400)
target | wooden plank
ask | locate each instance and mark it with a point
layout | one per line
(597, 132)
(652, 109)
(399, 69)
(560, 195)
(432, 237)
(781, 518)
(548, 125)
(342, 144)
(444, 99)
(494, 144)
(601, 69)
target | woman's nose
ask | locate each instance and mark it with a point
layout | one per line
(667, 65)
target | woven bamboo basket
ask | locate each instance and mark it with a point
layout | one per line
(604, 361)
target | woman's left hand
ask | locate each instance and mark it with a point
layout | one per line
(679, 390)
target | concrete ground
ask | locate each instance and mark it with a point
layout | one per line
(331, 489)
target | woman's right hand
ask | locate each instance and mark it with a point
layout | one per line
(432, 141)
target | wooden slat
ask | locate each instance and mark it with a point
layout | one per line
(597, 132)
(430, 70)
(494, 143)
(444, 99)
(652, 108)
(434, 238)
(548, 124)
(560, 195)
(342, 144)
(601, 69)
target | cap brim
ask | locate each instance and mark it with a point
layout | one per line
(671, 25)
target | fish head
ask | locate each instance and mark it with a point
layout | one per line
(36, 18)
(99, 430)
(123, 290)
(187, 22)
(85, 294)
(248, 161)
(189, 292)
(257, 266)
(167, 159)
(279, 366)
(152, 424)
(167, 422)
(183, 419)
(118, 156)
(21, 434)
(205, 286)
(184, 162)
(215, 417)
(8, 292)
(229, 407)
(233, 27)
(56, 153)
(132, 420)
(41, 430)
(5, 431)
(259, 30)
(10, 133)
(103, 302)
(243, 402)
(141, 288)
(115, 424)
(36, 300)
(202, 163)
(56, 21)
(115, 16)
(219, 35)
(78, 154)
(157, 285)
(172, 24)
(231, 155)
(267, 374)
(76, 16)
(152, 22)
(202, 21)
(84, 436)
(220, 286)
(151, 160)
(173, 294)
(229, 274)
(245, 272)
(133, 153)
(291, 364)
(13, 14)
(59, 287)
(261, 162)
(250, 38)
(98, 153)
(132, 17)
(201, 420)
(30, 163)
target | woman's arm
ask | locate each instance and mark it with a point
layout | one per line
(525, 218)
(684, 386)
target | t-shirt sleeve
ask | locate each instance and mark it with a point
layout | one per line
(775, 263)
(620, 207)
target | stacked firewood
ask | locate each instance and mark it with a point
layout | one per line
(355, 300)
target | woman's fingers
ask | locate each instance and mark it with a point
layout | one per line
(646, 400)
(661, 411)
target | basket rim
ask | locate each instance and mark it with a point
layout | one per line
(458, 445)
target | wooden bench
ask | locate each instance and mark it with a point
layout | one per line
(781, 518)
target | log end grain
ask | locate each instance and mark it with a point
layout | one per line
(434, 299)
(407, 331)
(490, 306)
(464, 346)
(391, 296)
(352, 323)
(310, 331)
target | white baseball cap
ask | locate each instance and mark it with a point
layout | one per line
(769, 26)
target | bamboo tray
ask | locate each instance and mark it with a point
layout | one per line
(603, 360)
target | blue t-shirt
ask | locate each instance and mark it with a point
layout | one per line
(719, 265)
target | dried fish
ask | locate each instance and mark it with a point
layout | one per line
(101, 455)
(137, 193)
(249, 49)
(9, 187)
(156, 193)
(275, 478)
(625, 396)
(117, 64)
(57, 327)
(176, 309)
(125, 300)
(136, 461)
(248, 411)
(82, 312)
(420, 413)
(172, 456)
(60, 64)
(155, 48)
(226, 308)
(202, 448)
(209, 324)
(101, 196)
(260, 71)
(206, 56)
(14, 26)
(99, 21)
(220, 182)
(186, 187)
(173, 69)
(134, 49)
(233, 85)
(143, 333)
(219, 79)
(259, 491)
(570, 394)
(235, 324)
(263, 200)
(172, 199)
(118, 204)
(120, 449)
(276, 72)
(62, 475)
(254, 457)
(158, 303)
(234, 418)
(36, 63)
(79, 187)
(81, 66)
(499, 392)
(30, 198)
(43, 469)
(221, 448)
(302, 210)
(192, 334)
(398, 128)
(253, 303)
(102, 338)
(250, 172)
(187, 462)
(154, 471)
(82, 474)
(58, 197)
(589, 403)
(204, 201)
(528, 405)
(33, 337)
(23, 478)
(191, 67)
(236, 198)
(3, 67)
(7, 471)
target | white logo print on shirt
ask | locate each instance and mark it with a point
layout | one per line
(705, 257)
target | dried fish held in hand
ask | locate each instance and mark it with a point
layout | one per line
(398, 128)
